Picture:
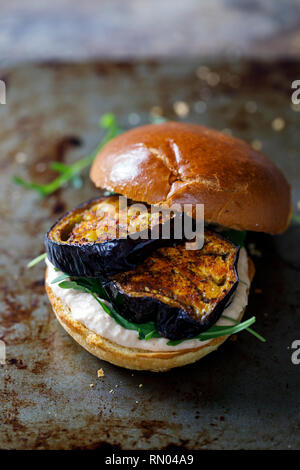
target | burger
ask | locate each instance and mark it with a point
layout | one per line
(149, 302)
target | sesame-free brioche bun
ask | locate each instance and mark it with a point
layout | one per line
(131, 358)
(170, 163)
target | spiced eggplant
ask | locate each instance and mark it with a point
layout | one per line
(183, 291)
(101, 237)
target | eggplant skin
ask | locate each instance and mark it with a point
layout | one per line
(176, 325)
(138, 310)
(98, 260)
(183, 291)
(70, 250)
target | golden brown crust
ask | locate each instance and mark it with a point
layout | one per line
(173, 162)
(131, 358)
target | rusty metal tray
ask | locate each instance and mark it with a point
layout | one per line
(245, 395)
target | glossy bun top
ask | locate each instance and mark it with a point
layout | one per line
(173, 162)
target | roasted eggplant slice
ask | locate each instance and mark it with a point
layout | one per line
(184, 291)
(98, 238)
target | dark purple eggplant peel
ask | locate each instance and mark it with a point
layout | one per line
(82, 242)
(183, 291)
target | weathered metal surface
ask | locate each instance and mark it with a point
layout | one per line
(74, 30)
(246, 395)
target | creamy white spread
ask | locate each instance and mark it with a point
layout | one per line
(85, 309)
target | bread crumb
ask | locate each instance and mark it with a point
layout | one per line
(278, 124)
(21, 157)
(91, 385)
(140, 386)
(111, 391)
(100, 373)
(181, 108)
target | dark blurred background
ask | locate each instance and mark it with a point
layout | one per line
(122, 29)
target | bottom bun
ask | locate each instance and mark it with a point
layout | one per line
(132, 358)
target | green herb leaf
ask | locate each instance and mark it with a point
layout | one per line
(92, 286)
(60, 278)
(71, 285)
(58, 166)
(36, 260)
(71, 172)
(236, 236)
(148, 330)
(258, 336)
(217, 331)
(296, 218)
(145, 330)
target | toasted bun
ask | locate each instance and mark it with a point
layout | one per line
(170, 163)
(131, 358)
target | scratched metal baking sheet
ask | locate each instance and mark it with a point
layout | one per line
(245, 395)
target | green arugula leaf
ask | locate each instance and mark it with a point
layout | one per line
(60, 278)
(295, 218)
(70, 172)
(76, 286)
(217, 331)
(261, 338)
(148, 330)
(236, 236)
(36, 260)
(92, 286)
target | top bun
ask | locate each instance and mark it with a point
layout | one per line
(170, 163)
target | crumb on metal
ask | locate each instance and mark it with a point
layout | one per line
(181, 108)
(20, 158)
(100, 373)
(278, 124)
